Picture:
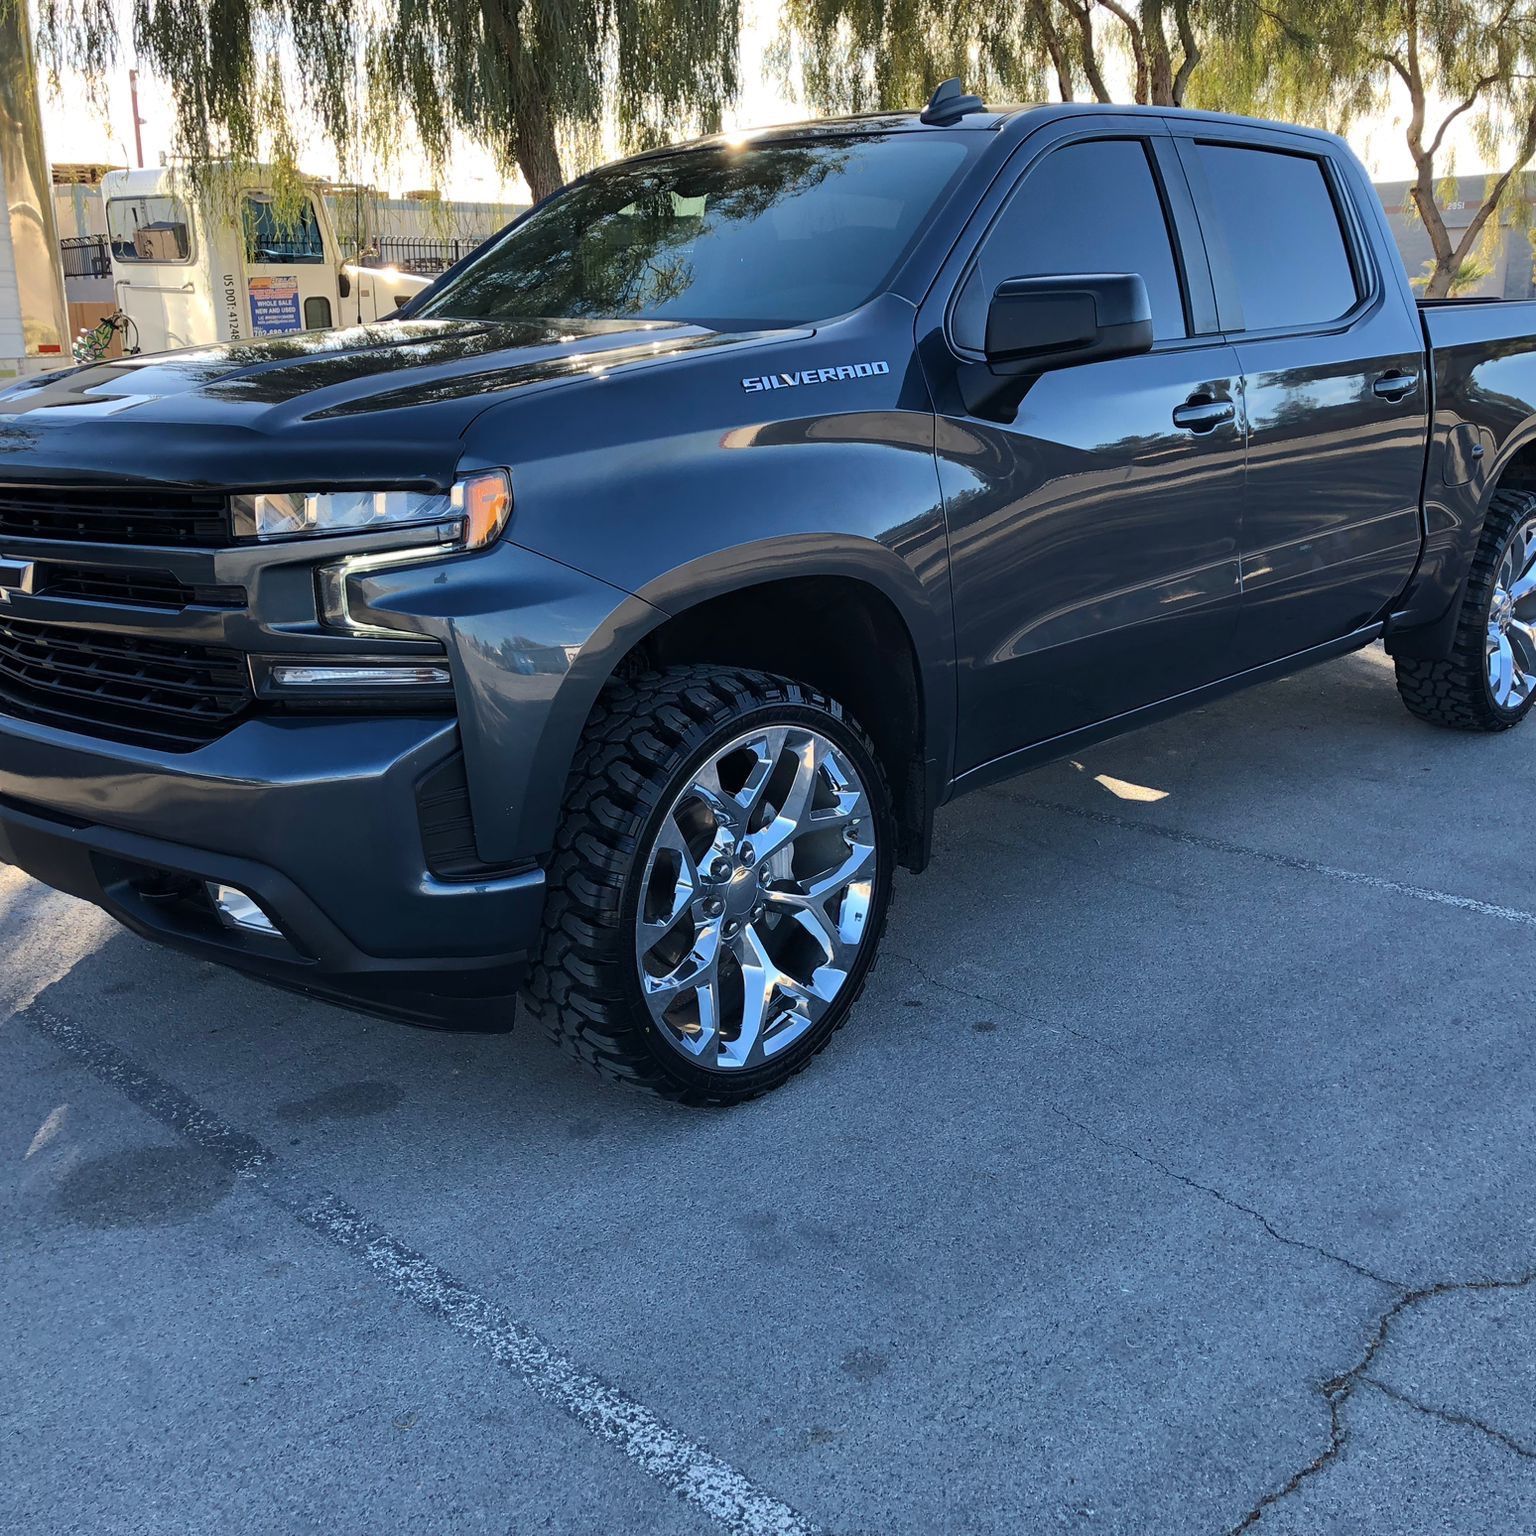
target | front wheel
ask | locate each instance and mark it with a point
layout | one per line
(719, 886)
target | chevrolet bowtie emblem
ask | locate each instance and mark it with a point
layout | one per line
(15, 576)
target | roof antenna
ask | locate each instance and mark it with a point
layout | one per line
(949, 103)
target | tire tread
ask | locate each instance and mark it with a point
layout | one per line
(1453, 691)
(640, 731)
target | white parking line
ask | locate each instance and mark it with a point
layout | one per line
(1282, 860)
(688, 1469)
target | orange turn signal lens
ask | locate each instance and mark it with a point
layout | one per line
(485, 500)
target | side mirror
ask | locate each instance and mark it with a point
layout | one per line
(1037, 323)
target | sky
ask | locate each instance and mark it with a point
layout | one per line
(74, 133)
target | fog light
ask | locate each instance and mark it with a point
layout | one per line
(237, 910)
(297, 675)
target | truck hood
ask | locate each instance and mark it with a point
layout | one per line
(367, 402)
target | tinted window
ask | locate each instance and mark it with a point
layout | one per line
(776, 234)
(272, 240)
(148, 229)
(1287, 252)
(1090, 207)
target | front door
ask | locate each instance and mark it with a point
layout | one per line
(290, 278)
(1331, 352)
(1094, 532)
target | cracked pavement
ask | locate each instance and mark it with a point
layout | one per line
(1175, 1174)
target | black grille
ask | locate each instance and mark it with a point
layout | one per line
(171, 518)
(139, 589)
(158, 693)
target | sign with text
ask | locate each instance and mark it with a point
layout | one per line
(274, 305)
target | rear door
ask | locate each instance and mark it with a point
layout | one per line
(158, 272)
(1331, 353)
(1093, 529)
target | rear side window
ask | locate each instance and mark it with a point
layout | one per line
(1089, 207)
(1289, 259)
(150, 228)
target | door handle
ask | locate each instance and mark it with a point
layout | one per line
(1203, 415)
(1395, 385)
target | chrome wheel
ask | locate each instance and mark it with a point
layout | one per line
(755, 897)
(1512, 622)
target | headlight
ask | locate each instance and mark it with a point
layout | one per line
(468, 517)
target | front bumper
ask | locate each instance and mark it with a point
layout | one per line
(317, 819)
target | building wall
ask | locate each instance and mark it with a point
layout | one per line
(79, 210)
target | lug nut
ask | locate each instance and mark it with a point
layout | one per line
(714, 907)
(764, 875)
(721, 868)
(732, 928)
(748, 856)
(757, 912)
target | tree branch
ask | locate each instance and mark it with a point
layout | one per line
(1284, 24)
(1191, 48)
(1082, 13)
(1394, 63)
(1138, 44)
(1495, 195)
(1061, 60)
(1466, 106)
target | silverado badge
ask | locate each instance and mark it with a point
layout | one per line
(814, 376)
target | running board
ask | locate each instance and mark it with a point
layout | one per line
(1041, 752)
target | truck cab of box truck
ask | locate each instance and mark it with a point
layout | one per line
(192, 266)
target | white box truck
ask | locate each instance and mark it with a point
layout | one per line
(190, 270)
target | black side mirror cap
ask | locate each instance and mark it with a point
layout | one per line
(1039, 323)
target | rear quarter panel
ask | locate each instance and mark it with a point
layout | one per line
(1483, 358)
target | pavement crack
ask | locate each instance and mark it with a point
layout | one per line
(1317, 1250)
(1338, 1390)
(931, 980)
(1448, 1416)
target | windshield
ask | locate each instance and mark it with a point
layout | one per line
(770, 235)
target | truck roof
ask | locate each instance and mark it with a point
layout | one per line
(989, 120)
(147, 181)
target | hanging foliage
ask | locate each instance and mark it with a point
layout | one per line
(532, 82)
(1328, 63)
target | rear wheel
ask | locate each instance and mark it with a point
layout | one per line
(720, 883)
(1488, 683)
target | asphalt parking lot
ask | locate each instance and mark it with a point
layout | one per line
(1176, 1174)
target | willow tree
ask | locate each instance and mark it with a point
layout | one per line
(522, 78)
(1448, 70)
(535, 82)
(1468, 61)
(850, 55)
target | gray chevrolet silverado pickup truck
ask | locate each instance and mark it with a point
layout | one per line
(609, 625)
